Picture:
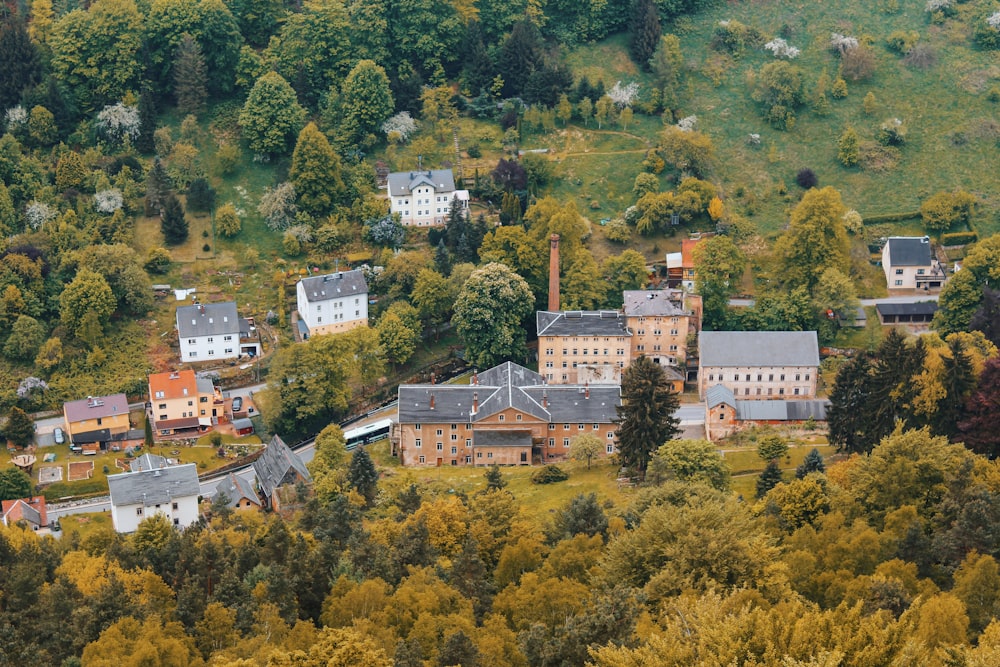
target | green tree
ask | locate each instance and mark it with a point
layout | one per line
(690, 151)
(227, 220)
(271, 116)
(645, 32)
(849, 148)
(50, 355)
(581, 285)
(313, 49)
(519, 56)
(719, 267)
(14, 482)
(362, 475)
(690, 461)
(20, 430)
(489, 312)
(70, 172)
(458, 650)
(494, 478)
(813, 462)
(190, 76)
(42, 126)
(564, 110)
(586, 447)
(583, 515)
(398, 340)
(89, 292)
(586, 110)
(646, 416)
(626, 271)
(943, 210)
(315, 172)
(963, 293)
(26, 336)
(200, 196)
(365, 103)
(768, 479)
(667, 65)
(603, 110)
(23, 63)
(816, 239)
(432, 296)
(173, 224)
(959, 380)
(772, 447)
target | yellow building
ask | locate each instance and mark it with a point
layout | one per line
(181, 403)
(96, 419)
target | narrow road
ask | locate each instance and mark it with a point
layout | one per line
(916, 298)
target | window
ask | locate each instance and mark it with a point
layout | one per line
(211, 340)
(417, 443)
(656, 332)
(138, 511)
(421, 459)
(202, 413)
(552, 442)
(640, 348)
(549, 364)
(759, 377)
(781, 392)
(746, 391)
(796, 377)
(192, 354)
(174, 506)
(611, 448)
(229, 350)
(770, 391)
(770, 377)
(565, 442)
(736, 377)
(190, 403)
(796, 391)
(479, 455)
(440, 432)
(159, 394)
(162, 406)
(468, 442)
(920, 272)
(502, 417)
(164, 417)
(191, 341)
(177, 522)
(758, 391)
(673, 332)
(722, 415)
(489, 455)
(565, 427)
(579, 427)
(202, 399)
(595, 427)
(454, 427)
(807, 377)
(227, 338)
(748, 377)
(711, 377)
(899, 272)
(454, 450)
(898, 283)
(211, 353)
(518, 417)
(611, 435)
(454, 436)
(440, 446)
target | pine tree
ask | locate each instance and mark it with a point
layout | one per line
(147, 121)
(646, 416)
(494, 478)
(158, 188)
(813, 462)
(849, 148)
(147, 437)
(20, 429)
(442, 260)
(959, 380)
(478, 71)
(190, 76)
(200, 196)
(645, 33)
(519, 56)
(458, 649)
(408, 654)
(22, 67)
(362, 475)
(768, 479)
(455, 224)
(173, 224)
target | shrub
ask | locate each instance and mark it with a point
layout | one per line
(474, 151)
(994, 94)
(921, 56)
(618, 231)
(943, 210)
(857, 64)
(806, 178)
(959, 238)
(206, 248)
(891, 133)
(735, 37)
(549, 474)
(848, 148)
(902, 41)
(228, 158)
(987, 31)
(839, 90)
(878, 158)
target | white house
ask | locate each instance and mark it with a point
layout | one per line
(171, 491)
(909, 263)
(214, 331)
(759, 365)
(333, 303)
(424, 198)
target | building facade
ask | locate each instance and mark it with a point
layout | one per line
(424, 198)
(759, 364)
(333, 303)
(96, 419)
(172, 492)
(180, 402)
(508, 415)
(215, 332)
(575, 347)
(725, 414)
(909, 263)
(660, 325)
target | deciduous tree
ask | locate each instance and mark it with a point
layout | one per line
(719, 267)
(489, 312)
(271, 116)
(586, 447)
(90, 293)
(816, 239)
(365, 103)
(19, 429)
(316, 172)
(690, 461)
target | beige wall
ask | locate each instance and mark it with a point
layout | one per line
(186, 406)
(337, 327)
(720, 421)
(660, 337)
(763, 383)
(558, 354)
(115, 423)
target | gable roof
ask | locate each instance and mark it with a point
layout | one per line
(401, 183)
(909, 250)
(581, 323)
(207, 319)
(718, 395)
(275, 464)
(147, 462)
(687, 252)
(154, 487)
(652, 303)
(175, 384)
(507, 386)
(782, 410)
(758, 348)
(31, 510)
(96, 407)
(917, 308)
(333, 285)
(235, 487)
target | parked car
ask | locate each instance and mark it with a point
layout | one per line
(237, 404)
(59, 436)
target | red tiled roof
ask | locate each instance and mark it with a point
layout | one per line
(31, 510)
(172, 385)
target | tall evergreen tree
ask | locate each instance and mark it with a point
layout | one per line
(519, 56)
(442, 259)
(19, 429)
(959, 380)
(200, 196)
(768, 479)
(173, 224)
(848, 404)
(646, 416)
(315, 172)
(362, 475)
(478, 71)
(21, 67)
(190, 76)
(645, 33)
(813, 462)
(987, 316)
(147, 121)
(893, 389)
(158, 187)
(978, 429)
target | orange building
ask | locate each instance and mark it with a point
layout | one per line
(183, 403)
(507, 416)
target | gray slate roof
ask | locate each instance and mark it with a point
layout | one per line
(208, 319)
(401, 183)
(242, 423)
(147, 462)
(782, 410)
(96, 406)
(507, 386)
(154, 487)
(758, 348)
(581, 323)
(918, 308)
(334, 285)
(909, 250)
(31, 514)
(501, 439)
(277, 466)
(719, 394)
(235, 487)
(651, 303)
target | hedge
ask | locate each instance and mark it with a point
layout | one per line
(889, 217)
(959, 238)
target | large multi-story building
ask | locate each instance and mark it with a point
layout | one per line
(508, 415)
(172, 491)
(424, 198)
(215, 332)
(181, 402)
(98, 419)
(759, 364)
(333, 303)
(660, 324)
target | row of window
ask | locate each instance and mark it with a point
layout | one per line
(340, 316)
(552, 427)
(656, 348)
(620, 351)
(336, 304)
(673, 320)
(770, 391)
(899, 272)
(760, 377)
(211, 339)
(194, 353)
(656, 332)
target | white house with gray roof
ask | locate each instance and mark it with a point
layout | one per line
(759, 364)
(909, 263)
(508, 415)
(332, 303)
(424, 198)
(214, 332)
(172, 492)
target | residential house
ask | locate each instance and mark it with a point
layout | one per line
(508, 415)
(183, 404)
(725, 414)
(97, 419)
(909, 263)
(688, 274)
(31, 511)
(424, 198)
(172, 492)
(215, 332)
(278, 467)
(761, 364)
(147, 462)
(239, 493)
(921, 312)
(332, 303)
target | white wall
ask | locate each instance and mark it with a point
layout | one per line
(338, 313)
(210, 348)
(126, 518)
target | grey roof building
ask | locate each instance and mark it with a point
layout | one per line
(402, 183)
(207, 319)
(653, 303)
(909, 250)
(147, 462)
(581, 323)
(758, 348)
(333, 285)
(157, 486)
(278, 466)
(236, 488)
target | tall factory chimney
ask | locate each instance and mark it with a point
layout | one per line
(554, 273)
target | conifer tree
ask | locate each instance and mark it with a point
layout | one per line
(519, 56)
(494, 478)
(362, 475)
(646, 416)
(478, 71)
(147, 121)
(645, 33)
(442, 260)
(21, 67)
(959, 380)
(190, 76)
(200, 196)
(315, 172)
(158, 187)
(813, 462)
(768, 479)
(173, 224)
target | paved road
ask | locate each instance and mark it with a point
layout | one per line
(691, 413)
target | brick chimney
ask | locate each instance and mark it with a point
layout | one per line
(475, 377)
(554, 273)
(432, 401)
(586, 390)
(545, 399)
(475, 402)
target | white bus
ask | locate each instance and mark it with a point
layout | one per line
(365, 435)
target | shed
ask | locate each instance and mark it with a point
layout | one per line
(243, 426)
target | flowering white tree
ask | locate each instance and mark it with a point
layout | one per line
(38, 213)
(109, 201)
(277, 206)
(842, 43)
(30, 384)
(15, 117)
(302, 233)
(400, 127)
(624, 96)
(993, 21)
(938, 5)
(687, 123)
(782, 49)
(117, 122)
